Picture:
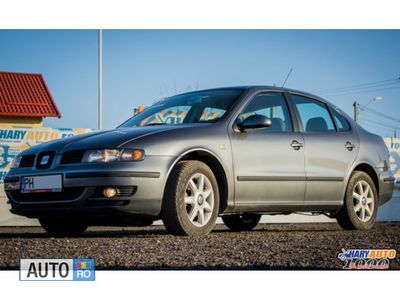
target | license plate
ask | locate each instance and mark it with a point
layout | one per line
(41, 184)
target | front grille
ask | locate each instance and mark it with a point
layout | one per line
(72, 157)
(65, 195)
(27, 161)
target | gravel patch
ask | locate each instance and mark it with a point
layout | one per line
(269, 246)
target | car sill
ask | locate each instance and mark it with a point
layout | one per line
(287, 178)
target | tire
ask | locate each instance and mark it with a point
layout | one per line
(360, 203)
(241, 222)
(62, 226)
(188, 208)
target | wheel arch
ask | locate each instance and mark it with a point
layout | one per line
(370, 171)
(214, 163)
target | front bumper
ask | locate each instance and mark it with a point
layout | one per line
(140, 191)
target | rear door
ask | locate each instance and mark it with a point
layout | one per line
(331, 148)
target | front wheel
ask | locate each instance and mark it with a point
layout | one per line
(191, 199)
(63, 226)
(241, 222)
(361, 203)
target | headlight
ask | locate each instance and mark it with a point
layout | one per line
(16, 161)
(110, 155)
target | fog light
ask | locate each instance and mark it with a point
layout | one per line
(109, 192)
(11, 186)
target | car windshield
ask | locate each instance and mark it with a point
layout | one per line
(196, 107)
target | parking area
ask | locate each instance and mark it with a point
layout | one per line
(269, 246)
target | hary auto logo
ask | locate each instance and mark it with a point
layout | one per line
(364, 259)
(81, 269)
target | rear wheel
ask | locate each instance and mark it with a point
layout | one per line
(63, 227)
(191, 200)
(241, 222)
(361, 203)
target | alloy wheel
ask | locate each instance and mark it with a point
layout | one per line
(199, 199)
(363, 201)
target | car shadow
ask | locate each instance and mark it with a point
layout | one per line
(88, 234)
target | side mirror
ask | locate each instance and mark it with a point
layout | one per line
(254, 122)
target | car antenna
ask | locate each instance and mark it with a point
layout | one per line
(290, 72)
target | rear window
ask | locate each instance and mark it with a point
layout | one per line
(341, 122)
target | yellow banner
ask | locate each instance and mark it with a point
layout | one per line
(13, 140)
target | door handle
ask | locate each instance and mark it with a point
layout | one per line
(296, 145)
(349, 146)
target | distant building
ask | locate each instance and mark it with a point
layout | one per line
(25, 100)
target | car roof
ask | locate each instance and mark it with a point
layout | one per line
(259, 87)
(272, 88)
(255, 88)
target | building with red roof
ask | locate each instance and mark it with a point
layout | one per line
(25, 100)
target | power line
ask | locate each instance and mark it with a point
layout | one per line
(377, 118)
(378, 85)
(380, 114)
(379, 124)
(360, 85)
(374, 124)
(362, 91)
(387, 131)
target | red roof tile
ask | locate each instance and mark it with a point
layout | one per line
(25, 94)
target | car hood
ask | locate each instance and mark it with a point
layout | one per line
(102, 139)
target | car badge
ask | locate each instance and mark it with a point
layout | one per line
(45, 160)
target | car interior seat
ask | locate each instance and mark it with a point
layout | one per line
(317, 124)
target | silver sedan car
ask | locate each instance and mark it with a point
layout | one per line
(239, 153)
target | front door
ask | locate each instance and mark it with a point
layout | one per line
(268, 162)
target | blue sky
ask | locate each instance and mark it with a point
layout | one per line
(140, 66)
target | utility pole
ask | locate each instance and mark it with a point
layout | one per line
(100, 81)
(356, 107)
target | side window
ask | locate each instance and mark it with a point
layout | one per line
(314, 115)
(341, 122)
(273, 106)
